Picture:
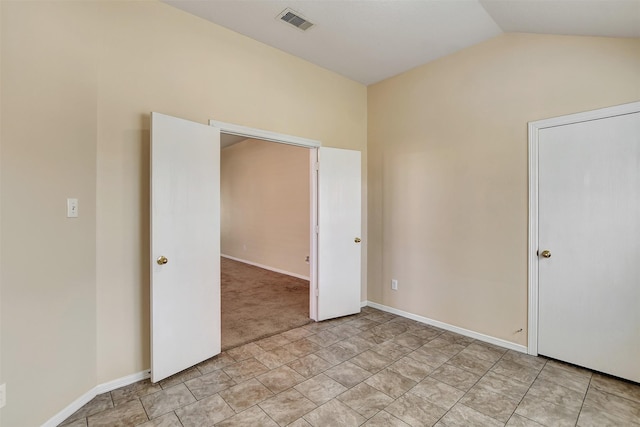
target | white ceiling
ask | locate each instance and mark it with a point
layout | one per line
(371, 40)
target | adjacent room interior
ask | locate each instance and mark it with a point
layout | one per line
(265, 238)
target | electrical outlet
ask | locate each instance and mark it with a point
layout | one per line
(3, 395)
(394, 284)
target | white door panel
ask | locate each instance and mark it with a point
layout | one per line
(589, 220)
(339, 219)
(185, 228)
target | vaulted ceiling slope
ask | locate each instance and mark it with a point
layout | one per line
(371, 40)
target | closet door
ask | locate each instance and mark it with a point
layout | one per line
(589, 244)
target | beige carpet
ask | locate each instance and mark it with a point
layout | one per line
(258, 303)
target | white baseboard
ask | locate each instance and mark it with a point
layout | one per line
(266, 267)
(121, 382)
(99, 389)
(467, 333)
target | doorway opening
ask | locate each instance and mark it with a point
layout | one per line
(185, 236)
(263, 164)
(265, 238)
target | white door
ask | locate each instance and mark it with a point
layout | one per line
(185, 233)
(589, 222)
(339, 232)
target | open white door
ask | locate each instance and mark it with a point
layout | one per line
(339, 232)
(185, 244)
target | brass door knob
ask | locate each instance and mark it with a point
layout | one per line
(357, 240)
(545, 254)
(162, 260)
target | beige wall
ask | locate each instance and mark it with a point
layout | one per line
(49, 97)
(448, 170)
(78, 82)
(265, 215)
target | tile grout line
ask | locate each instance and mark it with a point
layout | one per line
(474, 384)
(525, 393)
(177, 417)
(338, 364)
(145, 412)
(584, 399)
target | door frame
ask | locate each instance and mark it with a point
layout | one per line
(312, 145)
(533, 259)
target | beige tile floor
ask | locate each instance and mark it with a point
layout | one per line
(372, 369)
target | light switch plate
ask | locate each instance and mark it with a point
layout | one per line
(72, 208)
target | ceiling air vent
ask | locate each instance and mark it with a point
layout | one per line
(291, 17)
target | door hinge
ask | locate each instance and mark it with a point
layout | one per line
(317, 166)
(317, 229)
(317, 292)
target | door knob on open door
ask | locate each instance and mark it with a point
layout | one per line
(357, 240)
(162, 260)
(545, 254)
